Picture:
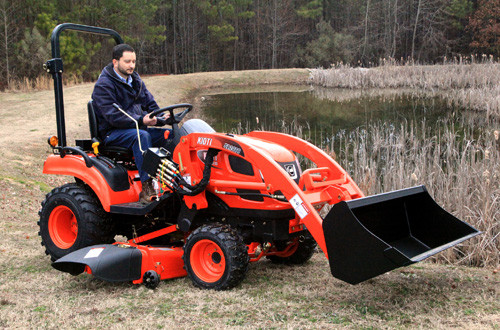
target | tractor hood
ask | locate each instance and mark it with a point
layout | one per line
(279, 153)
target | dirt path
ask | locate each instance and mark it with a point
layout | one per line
(30, 116)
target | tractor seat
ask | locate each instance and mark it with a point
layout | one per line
(113, 152)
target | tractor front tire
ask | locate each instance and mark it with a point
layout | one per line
(71, 218)
(215, 257)
(304, 252)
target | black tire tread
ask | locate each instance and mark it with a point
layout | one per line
(97, 223)
(237, 259)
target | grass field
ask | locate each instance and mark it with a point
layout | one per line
(34, 295)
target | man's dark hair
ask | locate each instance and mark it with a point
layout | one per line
(119, 49)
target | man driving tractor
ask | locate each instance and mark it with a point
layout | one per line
(225, 200)
(120, 84)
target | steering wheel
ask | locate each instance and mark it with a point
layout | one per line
(174, 118)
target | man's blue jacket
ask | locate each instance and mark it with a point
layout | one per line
(137, 101)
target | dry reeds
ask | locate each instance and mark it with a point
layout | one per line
(459, 168)
(461, 172)
(42, 82)
(472, 85)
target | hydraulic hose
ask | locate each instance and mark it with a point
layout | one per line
(196, 189)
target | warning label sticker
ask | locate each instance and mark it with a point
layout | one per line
(94, 253)
(299, 206)
(187, 178)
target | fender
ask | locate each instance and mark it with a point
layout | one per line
(73, 165)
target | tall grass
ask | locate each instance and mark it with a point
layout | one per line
(42, 82)
(460, 170)
(475, 86)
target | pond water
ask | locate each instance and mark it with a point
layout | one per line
(320, 115)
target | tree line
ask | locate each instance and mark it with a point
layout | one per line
(182, 36)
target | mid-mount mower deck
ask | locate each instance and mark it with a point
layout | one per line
(223, 201)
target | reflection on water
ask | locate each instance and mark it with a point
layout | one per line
(320, 115)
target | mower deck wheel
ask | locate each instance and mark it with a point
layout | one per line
(151, 279)
(215, 257)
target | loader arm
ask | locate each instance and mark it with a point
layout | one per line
(337, 175)
(311, 152)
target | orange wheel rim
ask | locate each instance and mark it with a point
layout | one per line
(207, 261)
(63, 227)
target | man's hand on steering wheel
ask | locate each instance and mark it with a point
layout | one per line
(169, 117)
(163, 120)
(149, 120)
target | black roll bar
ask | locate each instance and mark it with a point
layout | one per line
(54, 66)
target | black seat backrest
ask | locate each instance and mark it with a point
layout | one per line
(93, 125)
(113, 152)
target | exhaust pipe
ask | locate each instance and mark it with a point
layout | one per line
(370, 236)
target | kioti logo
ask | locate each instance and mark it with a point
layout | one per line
(205, 141)
(291, 170)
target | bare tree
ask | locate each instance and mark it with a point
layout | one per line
(394, 29)
(417, 16)
(9, 30)
(366, 29)
(284, 25)
(275, 33)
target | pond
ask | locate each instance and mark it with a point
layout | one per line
(323, 115)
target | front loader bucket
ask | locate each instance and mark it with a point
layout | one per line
(369, 236)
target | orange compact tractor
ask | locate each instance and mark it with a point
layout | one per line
(223, 201)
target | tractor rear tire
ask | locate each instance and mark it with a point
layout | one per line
(71, 218)
(215, 257)
(304, 252)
